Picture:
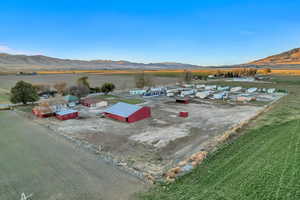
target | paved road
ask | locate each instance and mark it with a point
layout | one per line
(33, 161)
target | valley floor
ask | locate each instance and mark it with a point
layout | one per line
(263, 163)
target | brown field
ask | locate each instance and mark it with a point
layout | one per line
(205, 71)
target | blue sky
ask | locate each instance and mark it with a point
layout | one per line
(204, 32)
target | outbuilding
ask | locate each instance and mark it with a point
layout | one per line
(42, 111)
(127, 112)
(90, 102)
(66, 114)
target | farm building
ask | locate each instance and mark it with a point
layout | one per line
(71, 100)
(42, 111)
(127, 112)
(66, 114)
(89, 102)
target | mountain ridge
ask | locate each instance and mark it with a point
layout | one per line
(291, 57)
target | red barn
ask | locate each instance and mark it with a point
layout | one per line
(67, 114)
(127, 112)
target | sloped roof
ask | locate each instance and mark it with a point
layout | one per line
(70, 98)
(66, 112)
(122, 109)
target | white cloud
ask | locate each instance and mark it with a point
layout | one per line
(9, 50)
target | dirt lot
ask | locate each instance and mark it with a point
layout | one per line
(154, 144)
(121, 81)
(34, 161)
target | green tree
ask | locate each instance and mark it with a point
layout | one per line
(83, 81)
(23, 92)
(107, 88)
(143, 80)
(187, 76)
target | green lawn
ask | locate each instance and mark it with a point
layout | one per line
(263, 163)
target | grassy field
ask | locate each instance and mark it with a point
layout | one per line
(32, 161)
(4, 96)
(263, 163)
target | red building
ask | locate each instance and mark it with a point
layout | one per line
(67, 114)
(42, 111)
(127, 112)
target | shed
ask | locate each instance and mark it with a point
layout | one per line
(67, 114)
(71, 99)
(251, 90)
(183, 100)
(127, 112)
(91, 102)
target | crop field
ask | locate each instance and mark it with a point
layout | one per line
(263, 163)
(36, 162)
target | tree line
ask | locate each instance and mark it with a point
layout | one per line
(24, 92)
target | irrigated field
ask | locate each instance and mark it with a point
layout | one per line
(263, 163)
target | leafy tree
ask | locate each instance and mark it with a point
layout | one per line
(61, 87)
(79, 91)
(187, 76)
(107, 88)
(40, 88)
(83, 81)
(142, 80)
(23, 92)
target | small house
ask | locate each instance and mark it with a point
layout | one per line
(92, 102)
(235, 89)
(71, 100)
(204, 94)
(220, 95)
(245, 98)
(251, 90)
(127, 112)
(66, 114)
(42, 111)
(210, 87)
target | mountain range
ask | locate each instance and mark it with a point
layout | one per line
(10, 62)
(291, 57)
(40, 62)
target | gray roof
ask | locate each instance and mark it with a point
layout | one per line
(122, 109)
(66, 112)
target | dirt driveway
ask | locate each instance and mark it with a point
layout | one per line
(33, 161)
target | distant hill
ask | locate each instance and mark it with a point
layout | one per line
(291, 57)
(40, 62)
